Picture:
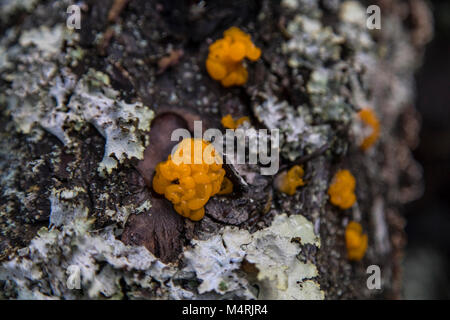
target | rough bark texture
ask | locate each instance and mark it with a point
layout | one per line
(319, 66)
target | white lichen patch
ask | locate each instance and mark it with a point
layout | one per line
(325, 88)
(144, 206)
(218, 261)
(46, 40)
(298, 135)
(121, 124)
(48, 268)
(309, 7)
(44, 93)
(314, 55)
(334, 83)
(353, 12)
(9, 7)
(66, 207)
(121, 213)
(311, 43)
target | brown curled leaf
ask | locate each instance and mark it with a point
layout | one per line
(160, 144)
(159, 229)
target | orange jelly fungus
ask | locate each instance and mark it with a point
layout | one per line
(369, 117)
(191, 177)
(355, 241)
(291, 180)
(229, 123)
(224, 62)
(342, 189)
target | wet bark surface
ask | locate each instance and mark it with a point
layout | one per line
(155, 51)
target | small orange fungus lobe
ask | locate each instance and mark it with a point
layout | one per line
(229, 123)
(342, 189)
(355, 241)
(291, 180)
(227, 186)
(369, 117)
(224, 62)
(192, 176)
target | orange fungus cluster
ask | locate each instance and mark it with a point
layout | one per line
(369, 117)
(229, 123)
(342, 189)
(291, 180)
(224, 62)
(355, 241)
(191, 177)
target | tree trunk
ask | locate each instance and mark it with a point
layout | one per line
(88, 113)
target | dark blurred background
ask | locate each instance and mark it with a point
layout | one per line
(427, 259)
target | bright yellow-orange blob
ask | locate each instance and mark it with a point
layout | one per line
(291, 180)
(229, 123)
(355, 241)
(192, 176)
(369, 117)
(224, 62)
(342, 189)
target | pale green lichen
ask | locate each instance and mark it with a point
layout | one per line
(280, 274)
(319, 48)
(56, 257)
(311, 44)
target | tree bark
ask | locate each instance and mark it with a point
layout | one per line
(320, 65)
